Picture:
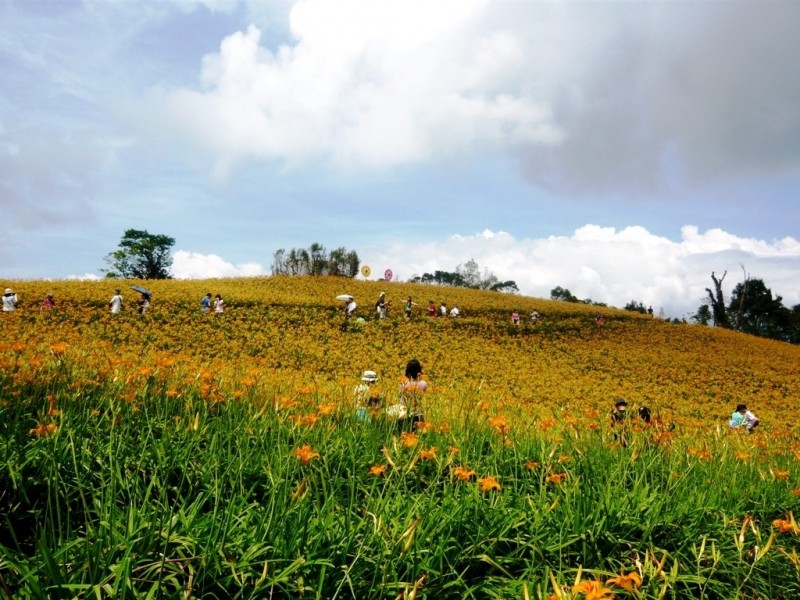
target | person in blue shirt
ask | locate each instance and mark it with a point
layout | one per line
(743, 418)
(205, 303)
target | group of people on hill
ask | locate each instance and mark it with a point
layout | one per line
(207, 303)
(742, 418)
(117, 302)
(11, 301)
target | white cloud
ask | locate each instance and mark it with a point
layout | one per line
(586, 96)
(85, 277)
(609, 265)
(193, 265)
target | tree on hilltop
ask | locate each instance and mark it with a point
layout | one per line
(141, 255)
(316, 260)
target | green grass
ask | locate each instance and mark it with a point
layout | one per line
(177, 498)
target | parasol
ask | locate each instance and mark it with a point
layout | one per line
(141, 290)
(344, 297)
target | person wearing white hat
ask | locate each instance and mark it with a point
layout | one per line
(380, 306)
(366, 397)
(9, 300)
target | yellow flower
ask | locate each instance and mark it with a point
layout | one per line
(377, 470)
(429, 454)
(627, 581)
(59, 349)
(786, 525)
(326, 409)
(425, 426)
(557, 478)
(594, 590)
(463, 473)
(42, 430)
(531, 464)
(489, 483)
(499, 424)
(409, 439)
(305, 454)
(780, 474)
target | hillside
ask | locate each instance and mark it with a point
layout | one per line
(289, 330)
(177, 454)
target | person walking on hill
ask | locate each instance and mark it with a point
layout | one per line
(219, 304)
(205, 303)
(380, 306)
(409, 304)
(116, 302)
(143, 303)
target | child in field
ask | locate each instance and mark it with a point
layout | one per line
(743, 418)
(367, 399)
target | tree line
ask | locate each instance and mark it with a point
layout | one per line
(752, 309)
(467, 275)
(316, 260)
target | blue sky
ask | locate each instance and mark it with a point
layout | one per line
(623, 150)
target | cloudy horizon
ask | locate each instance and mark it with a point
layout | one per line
(621, 150)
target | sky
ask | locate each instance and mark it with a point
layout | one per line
(623, 150)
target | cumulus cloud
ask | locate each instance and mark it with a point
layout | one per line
(193, 265)
(585, 96)
(609, 265)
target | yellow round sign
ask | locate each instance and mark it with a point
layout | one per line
(366, 271)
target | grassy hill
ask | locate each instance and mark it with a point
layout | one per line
(199, 455)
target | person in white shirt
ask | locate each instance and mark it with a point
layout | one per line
(454, 311)
(116, 303)
(9, 300)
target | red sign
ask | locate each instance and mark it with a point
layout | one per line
(387, 275)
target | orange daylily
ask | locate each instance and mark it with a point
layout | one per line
(409, 439)
(305, 454)
(429, 454)
(594, 590)
(489, 483)
(377, 470)
(628, 582)
(463, 473)
(42, 430)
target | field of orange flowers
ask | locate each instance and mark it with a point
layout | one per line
(235, 435)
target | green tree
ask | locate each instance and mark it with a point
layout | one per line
(703, 315)
(754, 310)
(316, 261)
(635, 306)
(560, 293)
(141, 255)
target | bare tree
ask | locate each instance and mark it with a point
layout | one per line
(717, 301)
